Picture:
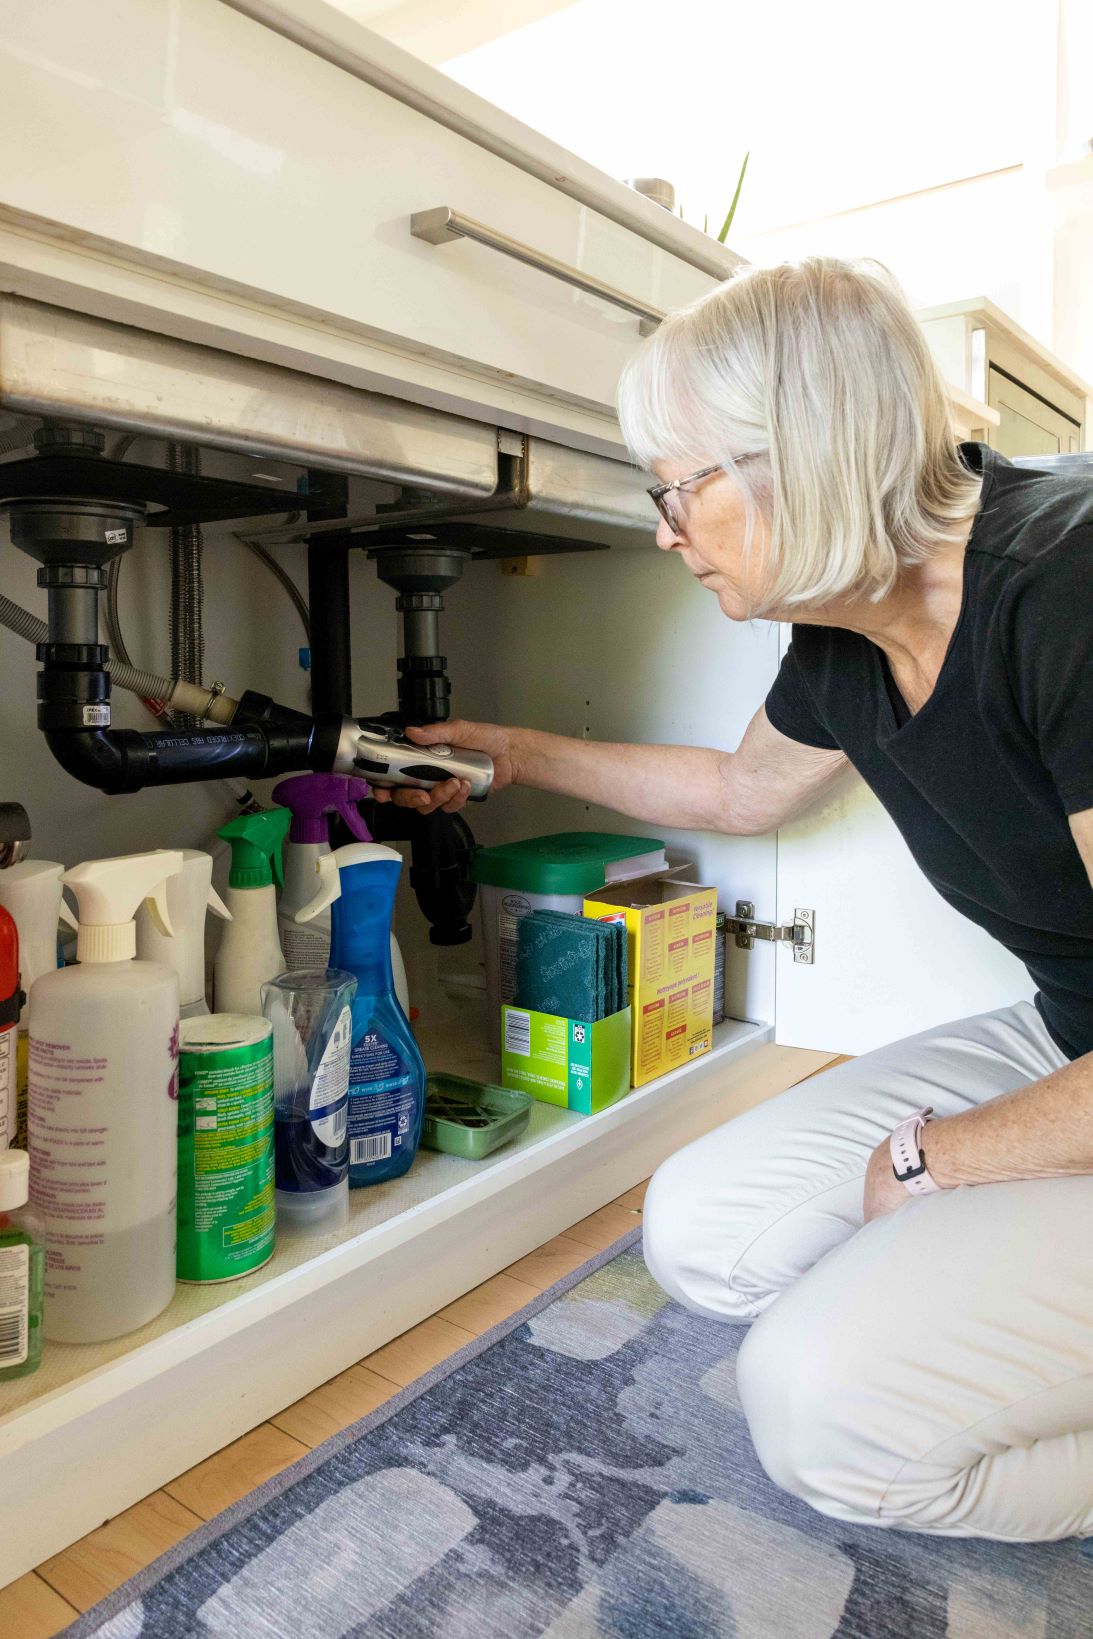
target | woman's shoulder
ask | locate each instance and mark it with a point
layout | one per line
(1032, 517)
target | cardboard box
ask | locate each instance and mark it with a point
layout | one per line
(579, 1066)
(670, 926)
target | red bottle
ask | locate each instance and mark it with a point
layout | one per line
(11, 1004)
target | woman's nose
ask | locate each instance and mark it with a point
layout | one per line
(667, 537)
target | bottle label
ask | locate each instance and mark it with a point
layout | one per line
(330, 1089)
(382, 1101)
(305, 947)
(7, 1086)
(14, 1305)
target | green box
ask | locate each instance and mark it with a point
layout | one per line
(583, 1067)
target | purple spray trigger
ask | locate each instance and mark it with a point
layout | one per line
(355, 791)
(312, 798)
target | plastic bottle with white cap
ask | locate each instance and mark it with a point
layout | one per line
(103, 1110)
(190, 895)
(30, 891)
(22, 1260)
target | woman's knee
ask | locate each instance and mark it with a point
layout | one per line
(809, 1393)
(825, 1390)
(730, 1225)
(692, 1237)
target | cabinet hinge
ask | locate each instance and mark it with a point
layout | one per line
(800, 933)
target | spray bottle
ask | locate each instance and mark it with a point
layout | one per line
(312, 799)
(11, 1003)
(31, 892)
(103, 1109)
(189, 895)
(386, 1072)
(250, 951)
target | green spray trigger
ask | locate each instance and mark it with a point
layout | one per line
(256, 841)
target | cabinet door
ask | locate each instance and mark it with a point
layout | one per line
(891, 957)
(1028, 425)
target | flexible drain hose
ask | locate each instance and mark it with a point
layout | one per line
(192, 698)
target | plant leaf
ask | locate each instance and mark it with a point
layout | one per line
(727, 224)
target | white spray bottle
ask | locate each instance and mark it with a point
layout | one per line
(250, 947)
(103, 1112)
(31, 892)
(190, 895)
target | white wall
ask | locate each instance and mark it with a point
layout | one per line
(927, 137)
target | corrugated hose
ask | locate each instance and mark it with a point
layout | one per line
(180, 695)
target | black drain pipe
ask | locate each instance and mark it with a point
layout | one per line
(73, 541)
(187, 590)
(74, 716)
(328, 597)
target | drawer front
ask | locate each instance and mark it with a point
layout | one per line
(183, 136)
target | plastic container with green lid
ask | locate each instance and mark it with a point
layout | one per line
(547, 873)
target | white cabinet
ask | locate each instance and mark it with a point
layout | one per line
(1039, 405)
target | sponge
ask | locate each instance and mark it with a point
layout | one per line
(569, 966)
(618, 977)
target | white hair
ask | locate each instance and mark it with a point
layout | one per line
(812, 384)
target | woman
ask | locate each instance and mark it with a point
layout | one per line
(922, 1286)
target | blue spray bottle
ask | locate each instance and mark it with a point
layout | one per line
(386, 1072)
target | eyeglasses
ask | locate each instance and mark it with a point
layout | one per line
(663, 497)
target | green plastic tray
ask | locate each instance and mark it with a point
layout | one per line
(471, 1118)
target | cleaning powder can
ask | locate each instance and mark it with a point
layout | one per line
(225, 1147)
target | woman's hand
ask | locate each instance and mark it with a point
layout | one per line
(450, 796)
(883, 1191)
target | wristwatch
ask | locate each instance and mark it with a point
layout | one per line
(908, 1160)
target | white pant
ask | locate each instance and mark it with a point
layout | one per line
(934, 1369)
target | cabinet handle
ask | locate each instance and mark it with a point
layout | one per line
(442, 226)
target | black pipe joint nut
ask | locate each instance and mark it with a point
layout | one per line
(73, 689)
(424, 689)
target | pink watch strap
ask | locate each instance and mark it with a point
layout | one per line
(908, 1161)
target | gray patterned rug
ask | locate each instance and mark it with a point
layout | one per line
(582, 1472)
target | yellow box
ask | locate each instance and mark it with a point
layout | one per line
(670, 947)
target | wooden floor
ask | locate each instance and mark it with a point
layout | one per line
(40, 1604)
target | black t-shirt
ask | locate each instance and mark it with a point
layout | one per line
(980, 781)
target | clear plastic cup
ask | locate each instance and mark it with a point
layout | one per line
(310, 1012)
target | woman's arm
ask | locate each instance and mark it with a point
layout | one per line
(744, 792)
(1044, 1130)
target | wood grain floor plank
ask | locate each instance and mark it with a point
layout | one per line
(103, 1560)
(227, 1475)
(417, 1351)
(601, 1228)
(633, 1198)
(839, 1058)
(31, 1609)
(489, 1304)
(334, 1405)
(550, 1262)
